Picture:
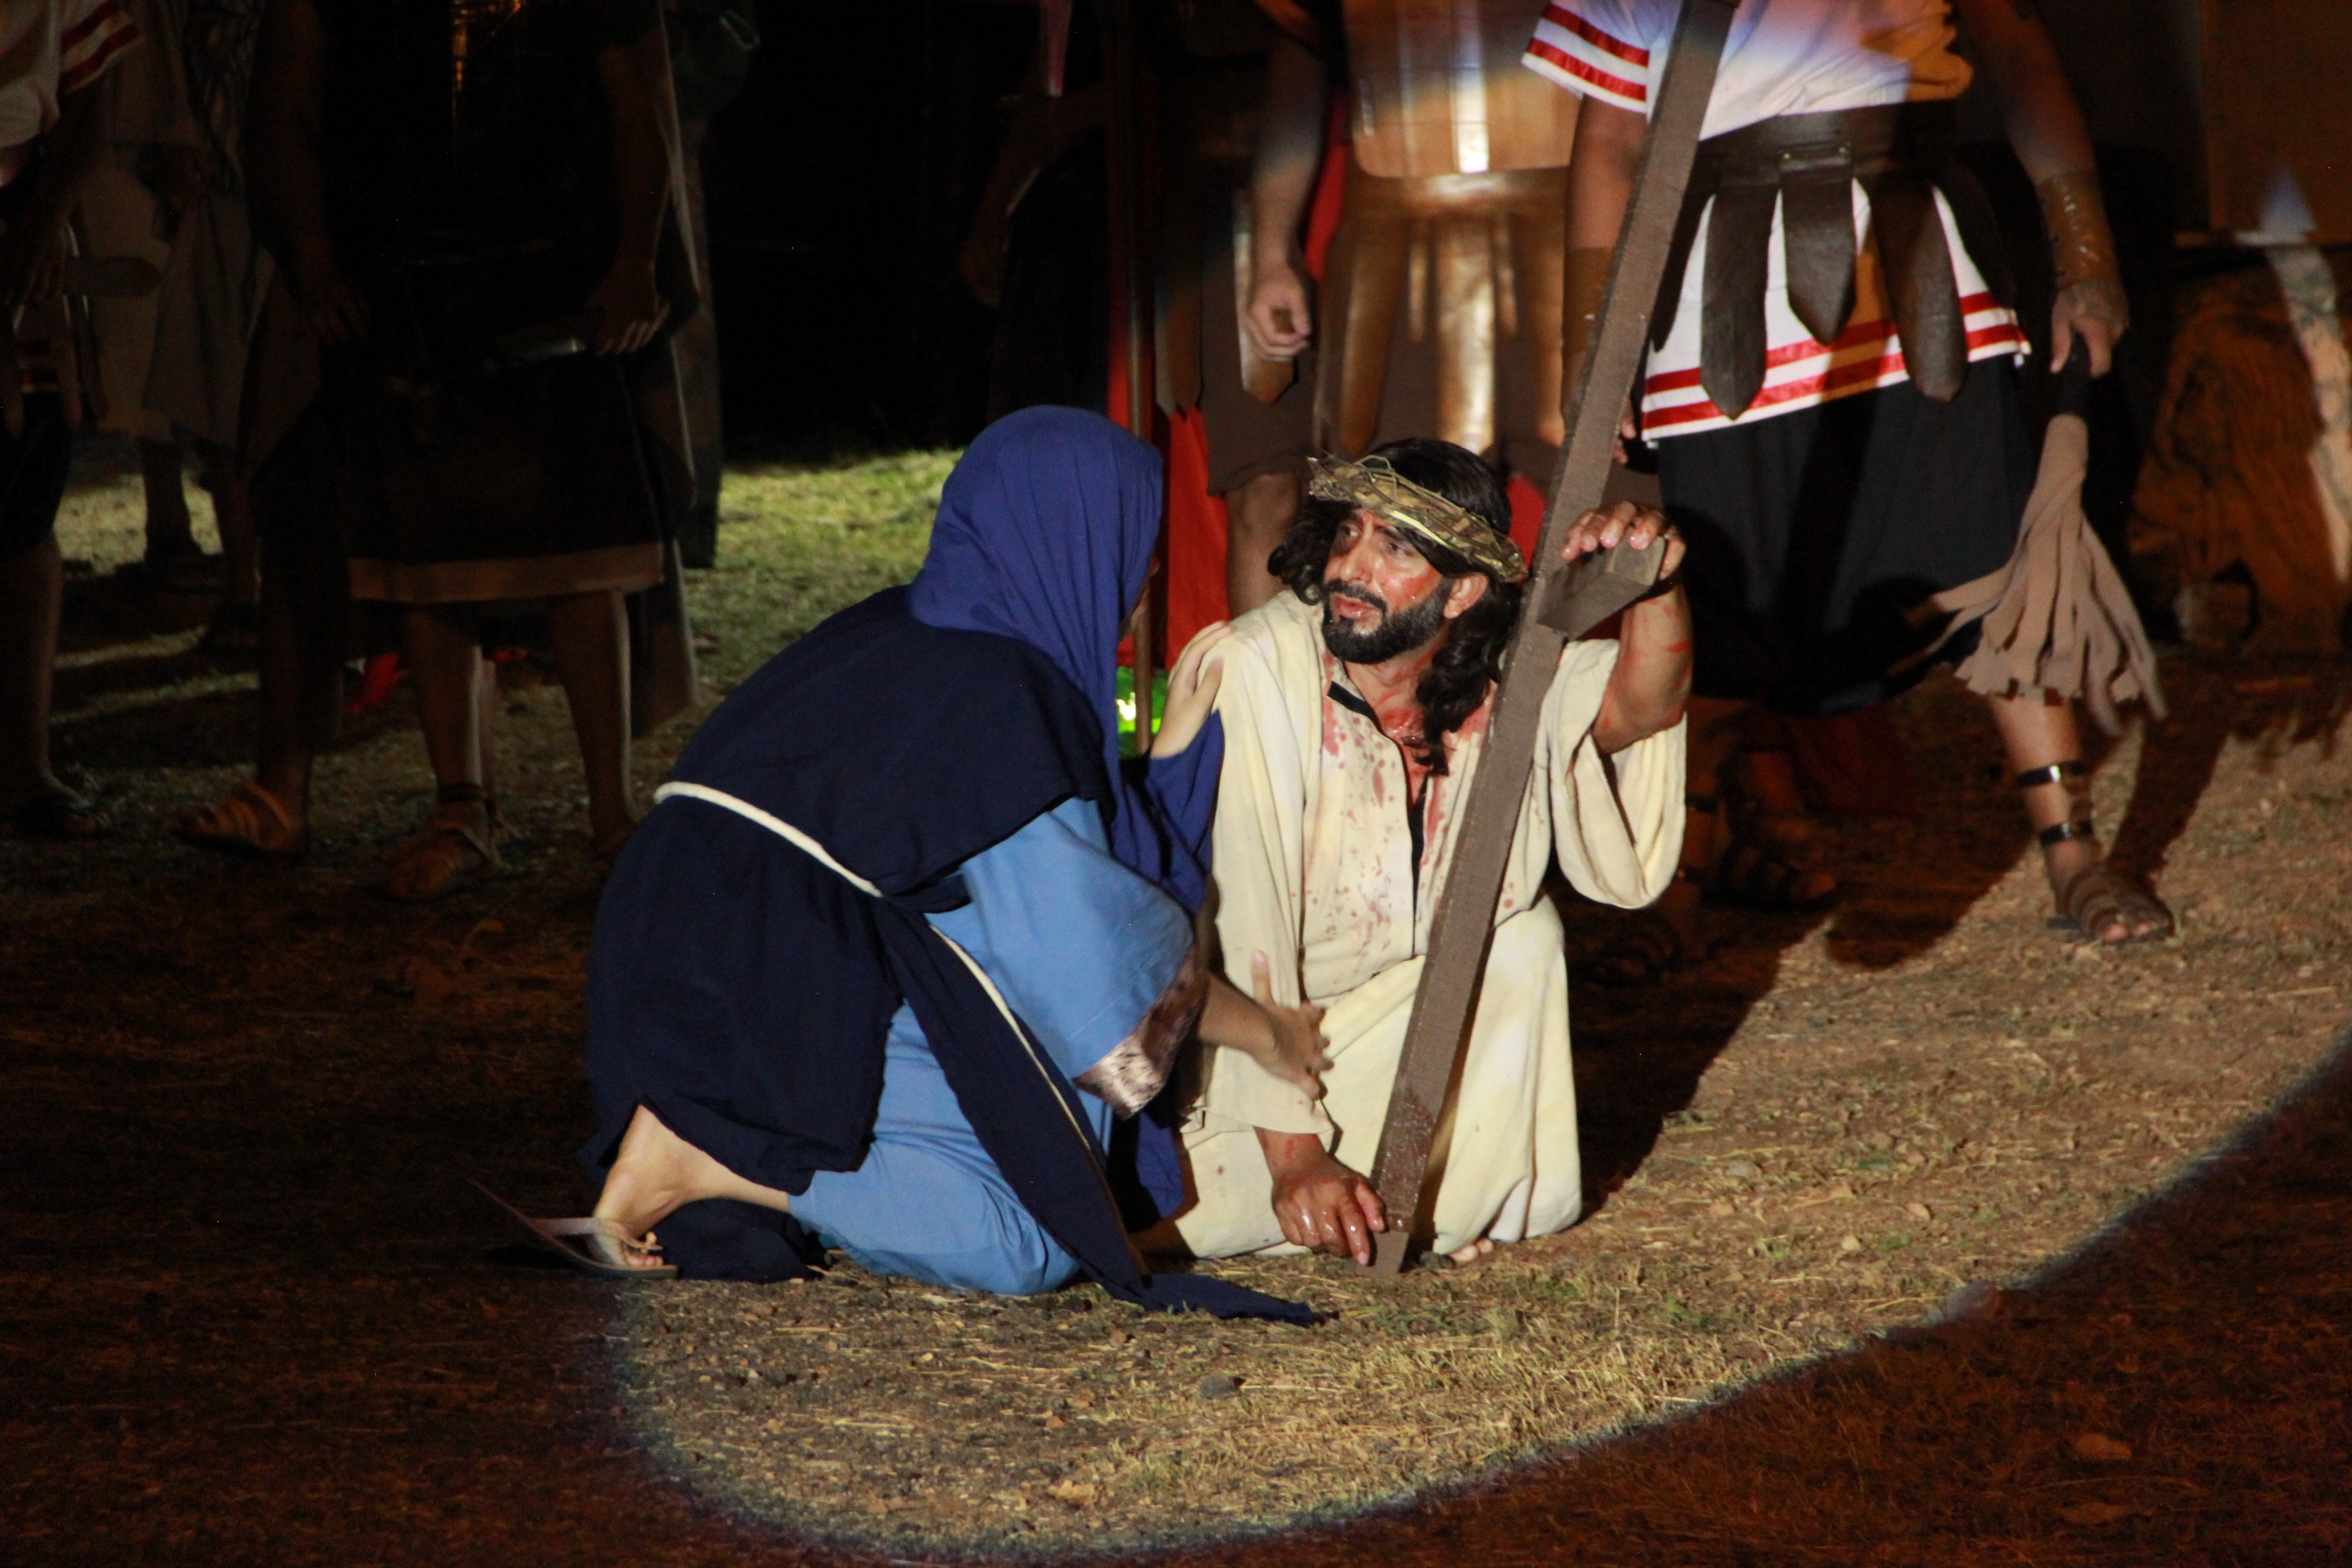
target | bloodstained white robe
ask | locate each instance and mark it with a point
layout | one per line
(1314, 860)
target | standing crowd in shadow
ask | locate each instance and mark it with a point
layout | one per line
(425, 272)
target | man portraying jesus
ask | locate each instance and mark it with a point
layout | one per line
(1354, 708)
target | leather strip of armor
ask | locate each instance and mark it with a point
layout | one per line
(1909, 235)
(1816, 192)
(1439, 90)
(1731, 339)
(1468, 258)
(1803, 164)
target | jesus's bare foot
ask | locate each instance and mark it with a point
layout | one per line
(1482, 1248)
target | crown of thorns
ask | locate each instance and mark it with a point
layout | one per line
(1374, 487)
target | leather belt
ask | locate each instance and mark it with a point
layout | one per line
(1803, 164)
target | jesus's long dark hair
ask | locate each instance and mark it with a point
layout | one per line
(1456, 680)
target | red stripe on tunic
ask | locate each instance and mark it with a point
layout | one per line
(86, 71)
(1855, 336)
(1560, 15)
(104, 13)
(1837, 378)
(1555, 55)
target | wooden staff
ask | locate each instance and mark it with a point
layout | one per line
(1131, 272)
(1556, 599)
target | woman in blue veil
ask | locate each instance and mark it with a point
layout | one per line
(903, 936)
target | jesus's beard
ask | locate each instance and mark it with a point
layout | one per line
(1396, 632)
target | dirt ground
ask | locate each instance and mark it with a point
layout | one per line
(1917, 1234)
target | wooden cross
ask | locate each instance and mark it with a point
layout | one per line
(1560, 604)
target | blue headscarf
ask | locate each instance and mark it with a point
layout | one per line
(1045, 533)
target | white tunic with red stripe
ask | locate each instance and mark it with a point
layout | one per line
(1783, 57)
(48, 49)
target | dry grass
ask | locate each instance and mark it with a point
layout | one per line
(803, 541)
(1811, 1139)
(855, 1405)
(104, 525)
(1820, 1134)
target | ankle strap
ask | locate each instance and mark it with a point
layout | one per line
(2059, 832)
(2056, 772)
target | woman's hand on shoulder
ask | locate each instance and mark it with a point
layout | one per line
(1191, 691)
(1287, 1042)
(1294, 1053)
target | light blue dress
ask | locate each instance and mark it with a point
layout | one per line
(1080, 947)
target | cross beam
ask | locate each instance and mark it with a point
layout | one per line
(1558, 604)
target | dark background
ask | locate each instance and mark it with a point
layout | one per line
(839, 185)
(841, 182)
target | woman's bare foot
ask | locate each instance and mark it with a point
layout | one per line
(657, 1173)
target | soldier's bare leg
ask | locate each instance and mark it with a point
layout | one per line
(171, 536)
(592, 656)
(32, 592)
(445, 656)
(233, 510)
(2038, 733)
(235, 624)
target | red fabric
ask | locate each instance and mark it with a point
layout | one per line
(1114, 403)
(1616, 86)
(1527, 515)
(1330, 191)
(1196, 533)
(382, 673)
(1115, 408)
(1851, 764)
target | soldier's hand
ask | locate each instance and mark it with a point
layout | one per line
(1191, 691)
(32, 267)
(2092, 309)
(335, 311)
(1278, 321)
(628, 309)
(1602, 530)
(1320, 1203)
(982, 260)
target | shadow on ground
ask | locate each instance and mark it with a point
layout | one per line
(251, 1315)
(2205, 1338)
(1642, 1051)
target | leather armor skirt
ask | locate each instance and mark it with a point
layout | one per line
(1805, 166)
